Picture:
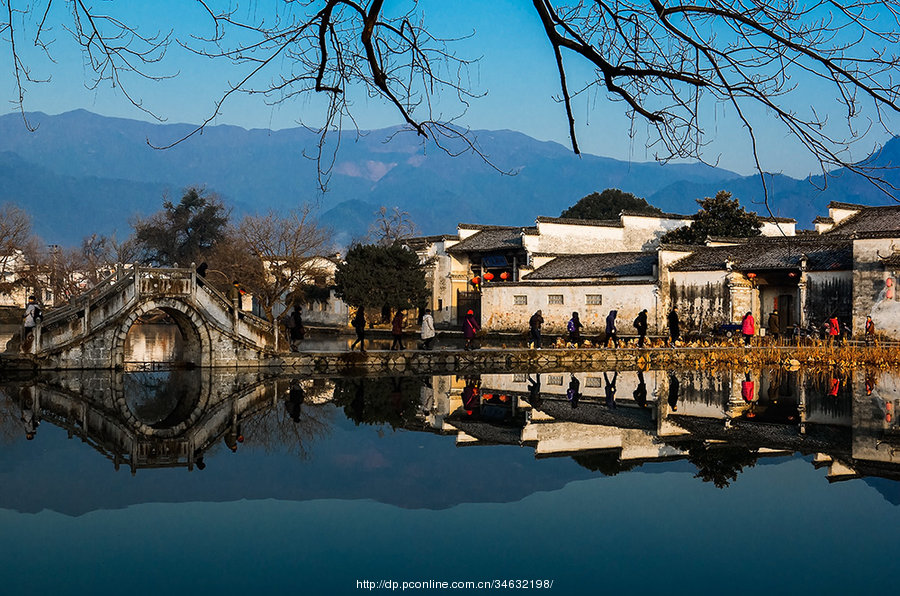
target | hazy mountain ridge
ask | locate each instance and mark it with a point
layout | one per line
(93, 173)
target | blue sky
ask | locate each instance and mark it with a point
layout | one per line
(516, 71)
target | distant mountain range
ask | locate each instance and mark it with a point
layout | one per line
(80, 173)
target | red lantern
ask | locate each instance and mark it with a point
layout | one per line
(889, 282)
(476, 280)
(504, 276)
(792, 274)
(488, 276)
(751, 275)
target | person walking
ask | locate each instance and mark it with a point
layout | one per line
(870, 331)
(748, 328)
(834, 329)
(30, 320)
(574, 328)
(611, 332)
(640, 323)
(470, 328)
(775, 326)
(427, 329)
(674, 328)
(296, 330)
(359, 325)
(397, 331)
(535, 323)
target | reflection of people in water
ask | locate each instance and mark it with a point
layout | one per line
(834, 385)
(572, 393)
(470, 397)
(610, 389)
(233, 436)
(534, 390)
(295, 397)
(640, 394)
(29, 406)
(673, 392)
(870, 382)
(748, 388)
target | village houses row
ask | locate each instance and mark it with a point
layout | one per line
(846, 267)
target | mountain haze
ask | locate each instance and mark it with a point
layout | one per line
(80, 173)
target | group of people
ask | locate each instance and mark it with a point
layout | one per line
(611, 336)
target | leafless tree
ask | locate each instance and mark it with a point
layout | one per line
(16, 242)
(272, 254)
(390, 226)
(667, 62)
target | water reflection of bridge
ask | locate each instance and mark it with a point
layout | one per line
(609, 421)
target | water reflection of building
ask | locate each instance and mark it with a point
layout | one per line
(846, 422)
(609, 421)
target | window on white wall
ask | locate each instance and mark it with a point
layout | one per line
(555, 299)
(593, 299)
(554, 380)
(519, 378)
(593, 382)
(520, 300)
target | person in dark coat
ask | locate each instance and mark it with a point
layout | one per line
(537, 319)
(397, 331)
(470, 328)
(870, 331)
(775, 326)
(359, 325)
(674, 329)
(640, 324)
(611, 331)
(296, 330)
(574, 328)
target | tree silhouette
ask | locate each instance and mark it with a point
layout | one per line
(718, 216)
(608, 205)
(667, 63)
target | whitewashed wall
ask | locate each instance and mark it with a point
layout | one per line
(500, 313)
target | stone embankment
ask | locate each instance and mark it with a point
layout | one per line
(496, 360)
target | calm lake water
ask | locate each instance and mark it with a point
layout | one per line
(187, 482)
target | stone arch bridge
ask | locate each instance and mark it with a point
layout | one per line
(90, 332)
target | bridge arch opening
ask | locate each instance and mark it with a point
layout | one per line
(162, 400)
(161, 334)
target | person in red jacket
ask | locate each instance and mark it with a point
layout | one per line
(748, 328)
(470, 328)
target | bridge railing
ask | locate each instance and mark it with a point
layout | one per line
(227, 304)
(108, 285)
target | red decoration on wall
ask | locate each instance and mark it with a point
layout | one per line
(751, 275)
(476, 280)
(889, 282)
(488, 276)
(504, 276)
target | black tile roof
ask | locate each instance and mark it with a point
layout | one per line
(869, 219)
(490, 239)
(606, 223)
(823, 254)
(617, 264)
